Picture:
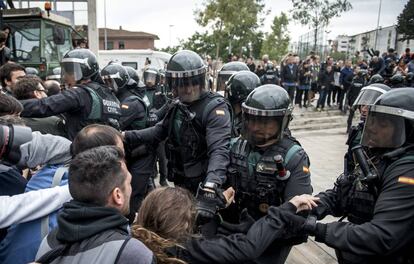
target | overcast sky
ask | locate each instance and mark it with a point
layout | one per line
(163, 17)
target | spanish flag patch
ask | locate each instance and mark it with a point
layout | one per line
(406, 180)
(306, 169)
(124, 106)
(220, 112)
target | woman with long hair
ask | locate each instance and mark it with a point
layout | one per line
(165, 224)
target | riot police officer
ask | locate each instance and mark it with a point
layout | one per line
(366, 97)
(378, 197)
(226, 71)
(135, 116)
(88, 101)
(238, 88)
(376, 78)
(271, 75)
(197, 128)
(268, 166)
(358, 81)
(397, 81)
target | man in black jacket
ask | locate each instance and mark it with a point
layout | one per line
(289, 76)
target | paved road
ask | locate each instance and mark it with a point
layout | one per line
(326, 149)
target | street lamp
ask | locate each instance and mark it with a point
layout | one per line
(105, 33)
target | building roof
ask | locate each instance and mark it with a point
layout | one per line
(369, 31)
(122, 33)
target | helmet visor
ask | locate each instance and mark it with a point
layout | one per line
(150, 78)
(368, 96)
(383, 128)
(221, 82)
(260, 130)
(188, 89)
(71, 73)
(111, 81)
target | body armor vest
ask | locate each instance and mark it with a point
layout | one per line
(105, 108)
(255, 176)
(141, 121)
(186, 146)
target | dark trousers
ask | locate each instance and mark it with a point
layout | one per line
(162, 161)
(341, 99)
(350, 118)
(322, 97)
(331, 94)
(142, 170)
(299, 94)
(291, 91)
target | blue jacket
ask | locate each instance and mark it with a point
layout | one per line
(346, 77)
(23, 240)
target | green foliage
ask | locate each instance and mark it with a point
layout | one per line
(232, 24)
(405, 22)
(172, 49)
(336, 55)
(318, 13)
(276, 42)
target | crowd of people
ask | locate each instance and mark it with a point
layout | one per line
(79, 153)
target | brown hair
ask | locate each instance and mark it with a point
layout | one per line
(165, 219)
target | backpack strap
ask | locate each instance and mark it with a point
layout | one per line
(122, 249)
(57, 178)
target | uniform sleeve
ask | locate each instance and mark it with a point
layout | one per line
(32, 205)
(391, 227)
(74, 99)
(299, 181)
(152, 135)
(238, 248)
(218, 134)
(132, 111)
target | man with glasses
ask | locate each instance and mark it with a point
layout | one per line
(197, 128)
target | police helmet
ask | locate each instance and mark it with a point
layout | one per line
(270, 68)
(78, 65)
(396, 80)
(390, 120)
(151, 77)
(116, 77)
(362, 73)
(376, 78)
(186, 69)
(240, 85)
(30, 71)
(267, 112)
(228, 70)
(56, 74)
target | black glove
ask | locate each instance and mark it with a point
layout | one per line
(245, 222)
(209, 200)
(294, 223)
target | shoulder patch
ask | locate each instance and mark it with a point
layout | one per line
(406, 180)
(220, 112)
(124, 106)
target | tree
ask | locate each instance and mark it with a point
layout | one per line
(405, 22)
(318, 13)
(232, 23)
(276, 43)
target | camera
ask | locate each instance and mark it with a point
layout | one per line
(11, 138)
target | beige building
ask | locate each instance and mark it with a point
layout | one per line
(125, 39)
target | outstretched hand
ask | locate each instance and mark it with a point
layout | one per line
(304, 202)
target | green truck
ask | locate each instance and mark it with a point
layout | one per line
(38, 39)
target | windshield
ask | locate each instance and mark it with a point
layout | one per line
(57, 42)
(25, 41)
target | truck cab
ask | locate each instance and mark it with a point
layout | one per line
(38, 39)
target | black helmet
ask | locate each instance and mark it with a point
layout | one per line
(270, 68)
(410, 76)
(56, 74)
(30, 71)
(186, 69)
(390, 120)
(240, 85)
(116, 76)
(363, 73)
(78, 65)
(161, 76)
(266, 114)
(397, 80)
(376, 78)
(132, 73)
(228, 70)
(151, 77)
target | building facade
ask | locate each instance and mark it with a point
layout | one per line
(125, 39)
